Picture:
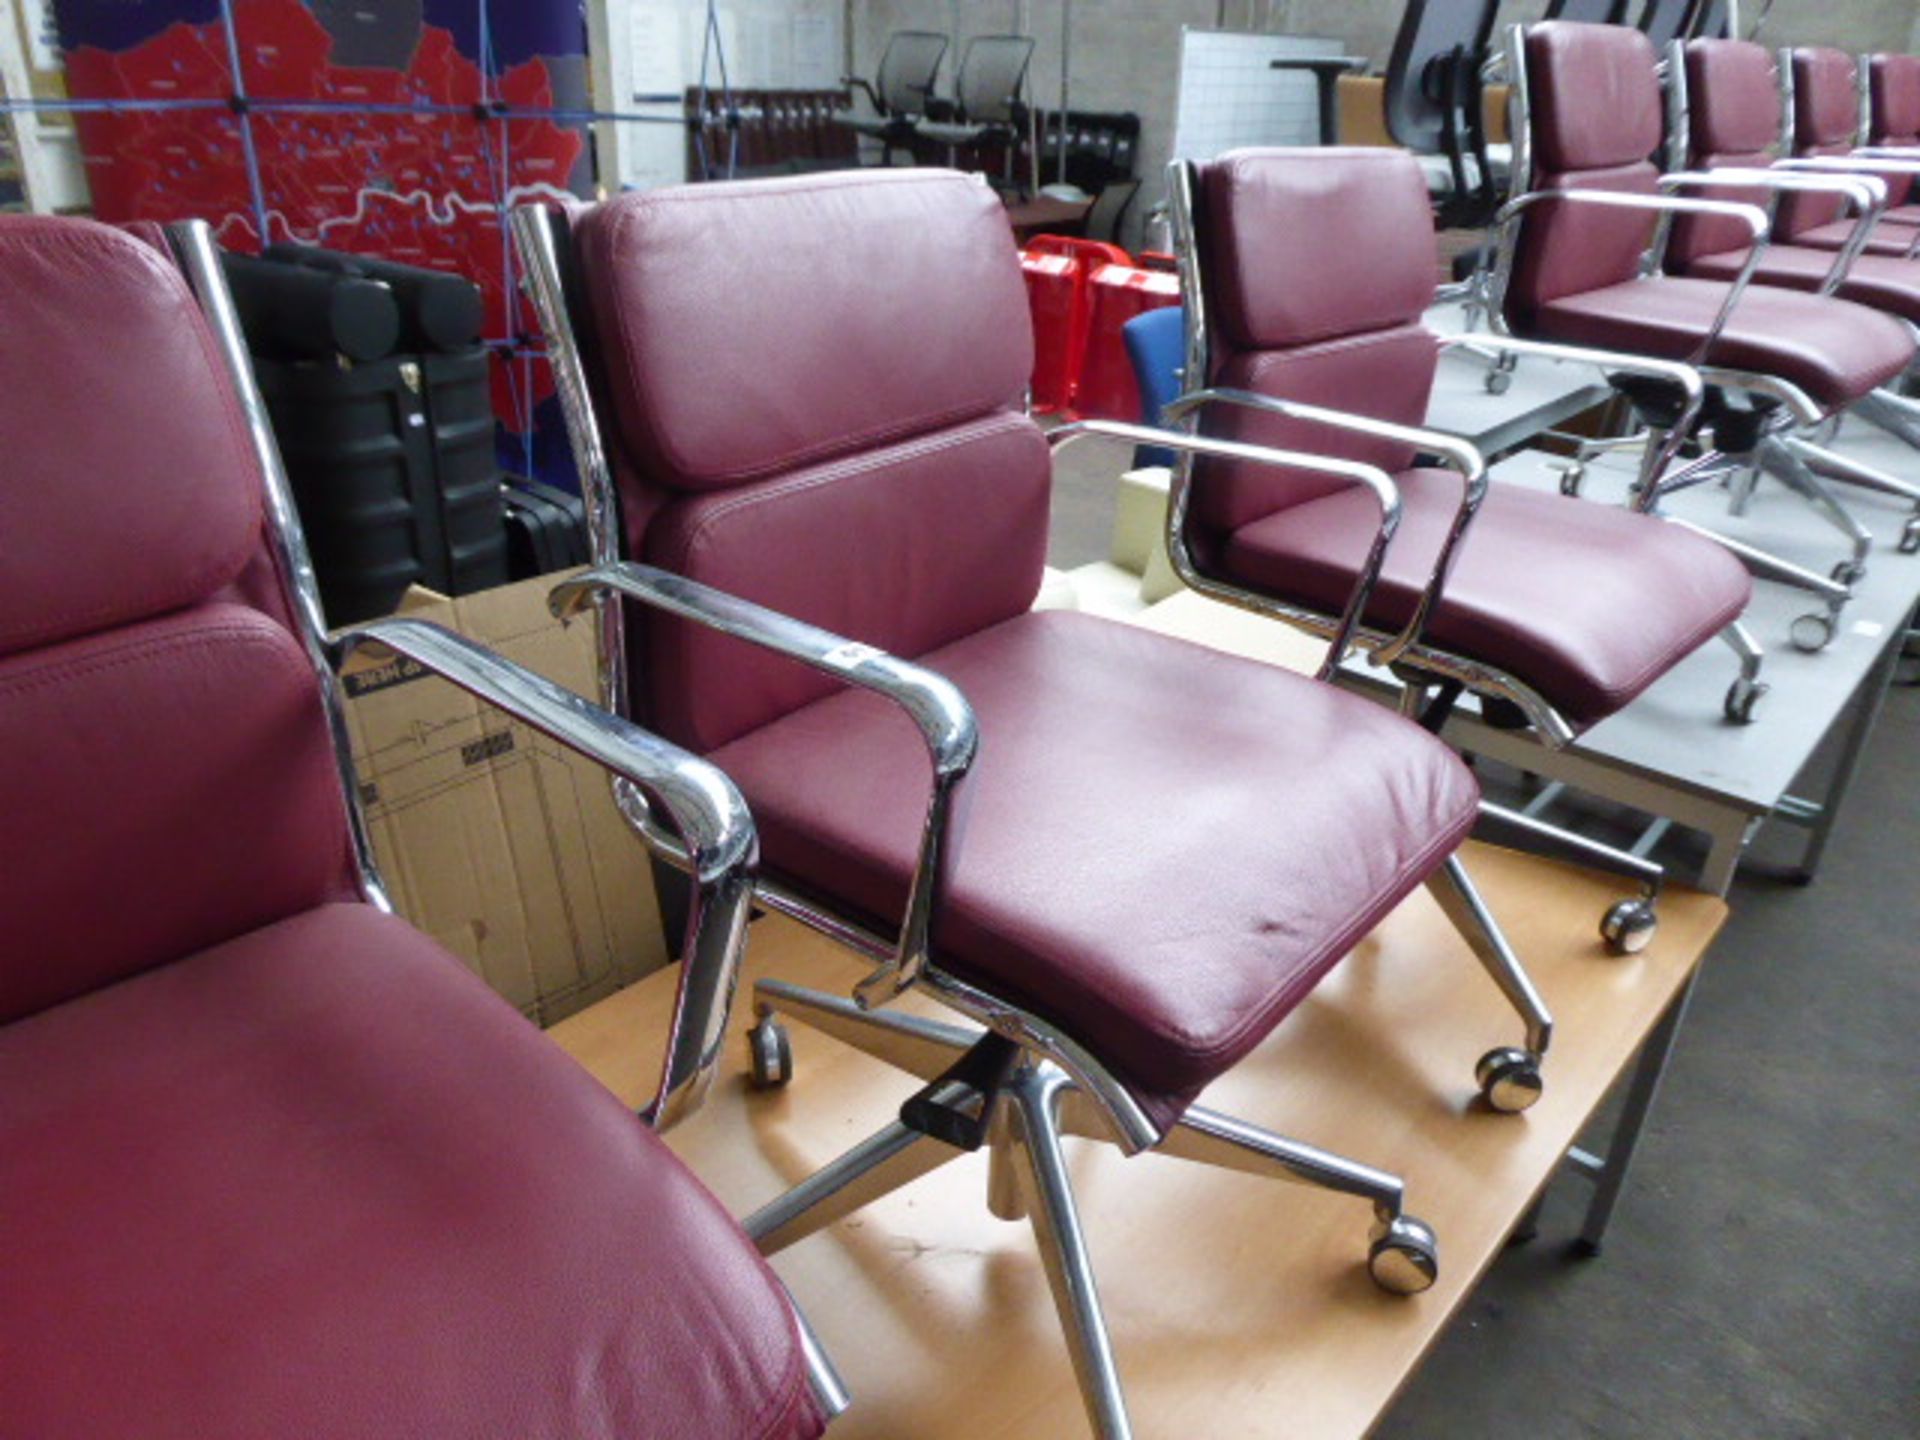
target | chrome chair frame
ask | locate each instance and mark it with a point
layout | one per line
(701, 809)
(1047, 1086)
(1421, 666)
(1789, 463)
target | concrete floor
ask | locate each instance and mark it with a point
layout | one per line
(1762, 1276)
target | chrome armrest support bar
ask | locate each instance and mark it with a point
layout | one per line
(1873, 167)
(1666, 207)
(1457, 454)
(717, 841)
(936, 706)
(1372, 476)
(1866, 195)
(1686, 376)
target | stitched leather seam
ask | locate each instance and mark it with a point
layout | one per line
(824, 450)
(264, 635)
(771, 1420)
(1006, 423)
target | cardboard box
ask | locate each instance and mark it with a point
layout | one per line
(492, 838)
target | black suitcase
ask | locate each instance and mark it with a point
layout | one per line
(392, 465)
(546, 529)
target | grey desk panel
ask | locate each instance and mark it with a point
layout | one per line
(1542, 394)
(1674, 734)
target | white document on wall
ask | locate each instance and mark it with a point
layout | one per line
(816, 52)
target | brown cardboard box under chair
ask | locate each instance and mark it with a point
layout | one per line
(503, 846)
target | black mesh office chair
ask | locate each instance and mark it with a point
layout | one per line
(899, 92)
(989, 109)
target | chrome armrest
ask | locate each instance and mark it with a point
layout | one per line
(936, 706)
(1667, 208)
(1457, 454)
(1678, 371)
(718, 845)
(1372, 476)
(1865, 194)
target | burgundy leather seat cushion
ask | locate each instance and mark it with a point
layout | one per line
(1834, 350)
(1588, 603)
(1892, 236)
(354, 1194)
(1883, 282)
(1165, 847)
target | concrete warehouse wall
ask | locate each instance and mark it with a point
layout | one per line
(1126, 53)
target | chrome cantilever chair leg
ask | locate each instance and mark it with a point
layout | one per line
(1022, 1118)
(907, 1042)
(1784, 461)
(1508, 1075)
(1629, 925)
(1046, 1191)
(1848, 471)
(889, 1159)
(1748, 687)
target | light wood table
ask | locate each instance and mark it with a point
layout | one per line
(1238, 1306)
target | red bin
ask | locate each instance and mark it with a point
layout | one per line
(1053, 297)
(1059, 269)
(1107, 389)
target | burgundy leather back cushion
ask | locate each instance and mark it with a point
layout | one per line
(1593, 97)
(1895, 100)
(748, 329)
(1308, 245)
(907, 547)
(1826, 104)
(1595, 112)
(1387, 374)
(164, 762)
(1733, 105)
(1826, 115)
(1319, 264)
(129, 488)
(1733, 96)
(170, 786)
(811, 382)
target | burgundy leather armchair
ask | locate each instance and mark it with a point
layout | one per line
(1725, 103)
(1580, 258)
(1823, 102)
(1553, 611)
(821, 526)
(271, 1161)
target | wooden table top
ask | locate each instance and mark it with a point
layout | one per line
(1238, 1306)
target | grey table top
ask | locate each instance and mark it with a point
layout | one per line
(1675, 732)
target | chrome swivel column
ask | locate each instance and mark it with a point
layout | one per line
(1020, 1108)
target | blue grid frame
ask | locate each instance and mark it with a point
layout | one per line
(517, 349)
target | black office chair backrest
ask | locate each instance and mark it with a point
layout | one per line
(1589, 12)
(1710, 21)
(1431, 33)
(991, 74)
(1665, 21)
(907, 70)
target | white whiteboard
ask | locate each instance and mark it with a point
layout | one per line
(1229, 95)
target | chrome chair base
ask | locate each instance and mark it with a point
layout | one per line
(1022, 1119)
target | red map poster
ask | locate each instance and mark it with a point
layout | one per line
(401, 179)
